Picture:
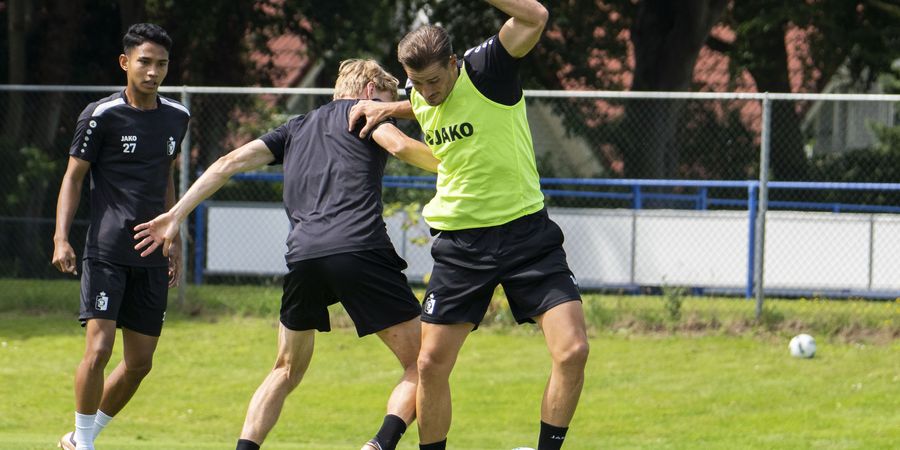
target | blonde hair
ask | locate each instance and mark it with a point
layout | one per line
(354, 74)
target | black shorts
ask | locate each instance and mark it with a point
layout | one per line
(525, 256)
(370, 284)
(134, 297)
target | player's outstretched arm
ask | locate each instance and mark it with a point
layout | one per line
(162, 230)
(376, 112)
(66, 205)
(524, 28)
(405, 148)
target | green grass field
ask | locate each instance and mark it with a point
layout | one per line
(709, 380)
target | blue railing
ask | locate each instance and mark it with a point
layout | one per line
(637, 196)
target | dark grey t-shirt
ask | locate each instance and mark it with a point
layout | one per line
(332, 184)
(131, 152)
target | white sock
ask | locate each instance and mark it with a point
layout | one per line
(100, 423)
(84, 431)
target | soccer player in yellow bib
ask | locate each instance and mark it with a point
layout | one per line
(488, 215)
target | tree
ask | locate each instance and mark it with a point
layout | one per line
(667, 38)
(863, 36)
(583, 36)
(16, 22)
(761, 30)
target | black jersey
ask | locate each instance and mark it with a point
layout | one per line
(493, 71)
(332, 184)
(131, 153)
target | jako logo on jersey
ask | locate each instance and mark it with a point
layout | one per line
(101, 302)
(129, 139)
(171, 146)
(449, 134)
(429, 304)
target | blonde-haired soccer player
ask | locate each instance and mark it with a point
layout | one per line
(338, 247)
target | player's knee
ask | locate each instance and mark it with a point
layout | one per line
(409, 362)
(139, 369)
(432, 366)
(288, 374)
(411, 373)
(574, 355)
(97, 356)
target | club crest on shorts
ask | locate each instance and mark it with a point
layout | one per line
(101, 302)
(171, 146)
(429, 304)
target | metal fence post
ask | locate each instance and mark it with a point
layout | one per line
(763, 205)
(638, 201)
(183, 183)
(751, 238)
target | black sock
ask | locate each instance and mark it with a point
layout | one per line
(391, 431)
(551, 437)
(244, 444)
(436, 446)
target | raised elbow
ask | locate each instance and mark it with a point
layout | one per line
(541, 15)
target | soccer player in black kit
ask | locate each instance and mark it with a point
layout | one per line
(338, 247)
(127, 143)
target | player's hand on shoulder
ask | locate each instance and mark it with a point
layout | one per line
(64, 257)
(371, 112)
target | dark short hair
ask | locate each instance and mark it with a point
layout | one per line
(139, 33)
(423, 47)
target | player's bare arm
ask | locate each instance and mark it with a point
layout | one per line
(405, 148)
(164, 228)
(377, 112)
(66, 205)
(524, 28)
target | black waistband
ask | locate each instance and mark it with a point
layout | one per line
(538, 214)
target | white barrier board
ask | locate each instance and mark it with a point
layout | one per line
(623, 247)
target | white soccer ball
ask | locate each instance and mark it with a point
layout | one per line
(802, 346)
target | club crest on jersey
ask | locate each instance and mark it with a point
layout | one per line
(101, 302)
(429, 304)
(170, 146)
(449, 133)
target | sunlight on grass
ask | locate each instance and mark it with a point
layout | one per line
(653, 382)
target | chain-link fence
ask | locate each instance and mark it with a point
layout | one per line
(652, 190)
